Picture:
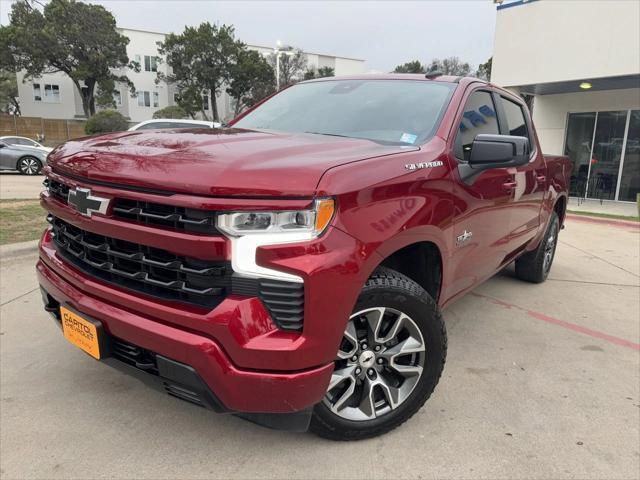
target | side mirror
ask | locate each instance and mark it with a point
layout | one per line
(494, 151)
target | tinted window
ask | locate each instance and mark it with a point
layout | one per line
(387, 111)
(479, 117)
(515, 118)
(24, 141)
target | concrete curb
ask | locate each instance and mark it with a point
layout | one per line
(18, 249)
(604, 221)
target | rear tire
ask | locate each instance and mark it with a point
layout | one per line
(29, 166)
(389, 362)
(534, 266)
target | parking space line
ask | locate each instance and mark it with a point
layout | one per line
(564, 324)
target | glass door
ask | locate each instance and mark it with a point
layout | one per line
(630, 178)
(608, 142)
(580, 129)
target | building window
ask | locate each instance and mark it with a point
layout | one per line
(51, 93)
(117, 98)
(630, 181)
(205, 102)
(37, 95)
(150, 63)
(136, 58)
(604, 148)
(144, 99)
(156, 99)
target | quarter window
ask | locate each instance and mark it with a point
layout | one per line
(479, 117)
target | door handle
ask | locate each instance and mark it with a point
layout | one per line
(508, 186)
(541, 178)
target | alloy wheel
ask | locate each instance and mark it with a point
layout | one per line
(29, 166)
(550, 248)
(380, 361)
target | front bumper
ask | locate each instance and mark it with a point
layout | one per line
(234, 389)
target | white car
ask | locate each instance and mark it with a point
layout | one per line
(24, 141)
(173, 123)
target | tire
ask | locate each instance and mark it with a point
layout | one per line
(393, 314)
(535, 266)
(29, 166)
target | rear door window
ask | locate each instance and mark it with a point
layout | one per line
(516, 120)
(479, 117)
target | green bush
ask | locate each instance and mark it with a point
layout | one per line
(170, 112)
(106, 121)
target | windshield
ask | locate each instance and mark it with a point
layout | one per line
(386, 111)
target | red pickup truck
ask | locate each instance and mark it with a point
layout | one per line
(291, 267)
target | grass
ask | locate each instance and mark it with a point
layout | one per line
(605, 215)
(21, 220)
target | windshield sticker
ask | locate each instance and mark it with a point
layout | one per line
(408, 138)
(418, 166)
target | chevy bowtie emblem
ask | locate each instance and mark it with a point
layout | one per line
(85, 203)
(460, 239)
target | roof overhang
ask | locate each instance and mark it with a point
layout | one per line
(572, 86)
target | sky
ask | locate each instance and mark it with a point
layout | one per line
(384, 33)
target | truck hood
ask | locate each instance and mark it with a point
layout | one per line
(218, 162)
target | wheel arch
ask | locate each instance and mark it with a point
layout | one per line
(421, 261)
(560, 207)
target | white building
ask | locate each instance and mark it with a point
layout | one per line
(55, 96)
(581, 63)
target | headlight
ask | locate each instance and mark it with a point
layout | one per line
(312, 221)
(250, 230)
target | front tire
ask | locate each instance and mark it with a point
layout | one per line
(29, 166)
(535, 266)
(389, 362)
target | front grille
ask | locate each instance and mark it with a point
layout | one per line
(149, 270)
(133, 355)
(59, 190)
(157, 214)
(149, 213)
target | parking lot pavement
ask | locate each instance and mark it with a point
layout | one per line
(14, 185)
(541, 381)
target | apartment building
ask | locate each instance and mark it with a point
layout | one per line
(55, 96)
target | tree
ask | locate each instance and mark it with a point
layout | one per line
(106, 121)
(484, 70)
(173, 111)
(9, 93)
(251, 79)
(292, 66)
(410, 67)
(321, 72)
(450, 66)
(201, 59)
(75, 38)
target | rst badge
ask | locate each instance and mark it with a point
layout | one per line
(85, 203)
(418, 166)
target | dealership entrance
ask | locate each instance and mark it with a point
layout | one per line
(604, 147)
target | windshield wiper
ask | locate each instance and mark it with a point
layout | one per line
(330, 134)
